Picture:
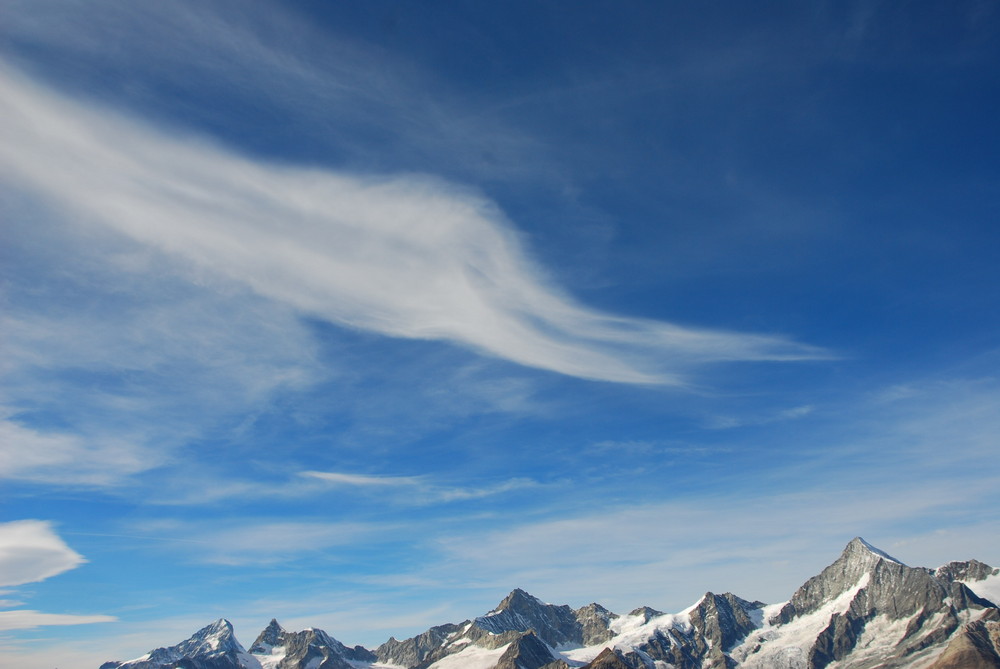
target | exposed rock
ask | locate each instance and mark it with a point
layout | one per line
(411, 652)
(609, 659)
(968, 571)
(555, 625)
(268, 638)
(976, 647)
(646, 613)
(526, 652)
(594, 622)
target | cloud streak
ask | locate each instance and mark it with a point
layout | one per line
(26, 619)
(407, 256)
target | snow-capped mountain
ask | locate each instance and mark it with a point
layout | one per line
(277, 649)
(866, 610)
(212, 647)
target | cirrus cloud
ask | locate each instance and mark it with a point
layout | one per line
(407, 256)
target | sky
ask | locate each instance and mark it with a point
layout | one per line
(361, 315)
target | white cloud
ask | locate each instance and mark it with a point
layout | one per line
(31, 551)
(421, 489)
(406, 256)
(339, 478)
(27, 454)
(27, 619)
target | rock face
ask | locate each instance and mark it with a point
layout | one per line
(970, 570)
(867, 610)
(595, 623)
(976, 647)
(611, 659)
(522, 620)
(698, 637)
(527, 652)
(212, 647)
(276, 648)
(413, 651)
(519, 611)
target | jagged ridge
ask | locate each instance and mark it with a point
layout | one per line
(866, 610)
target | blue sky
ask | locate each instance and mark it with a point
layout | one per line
(361, 315)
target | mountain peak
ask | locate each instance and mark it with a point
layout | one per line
(218, 635)
(220, 626)
(271, 636)
(861, 548)
(518, 599)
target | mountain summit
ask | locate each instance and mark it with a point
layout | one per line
(866, 610)
(212, 647)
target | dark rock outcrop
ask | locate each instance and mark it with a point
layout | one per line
(526, 652)
(976, 647)
(411, 652)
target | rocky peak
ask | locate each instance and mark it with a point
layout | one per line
(646, 613)
(723, 619)
(520, 612)
(411, 652)
(271, 636)
(526, 652)
(610, 659)
(861, 550)
(518, 600)
(968, 571)
(212, 646)
(595, 621)
(855, 567)
(215, 638)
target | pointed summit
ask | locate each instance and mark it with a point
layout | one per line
(213, 646)
(271, 636)
(861, 548)
(518, 599)
(851, 571)
(520, 612)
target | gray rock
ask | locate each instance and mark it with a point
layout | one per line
(526, 652)
(411, 652)
(968, 571)
(594, 622)
(976, 647)
(555, 625)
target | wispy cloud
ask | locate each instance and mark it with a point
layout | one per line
(26, 619)
(729, 422)
(340, 478)
(421, 489)
(253, 541)
(632, 556)
(31, 455)
(405, 256)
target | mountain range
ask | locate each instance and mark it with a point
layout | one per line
(866, 610)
